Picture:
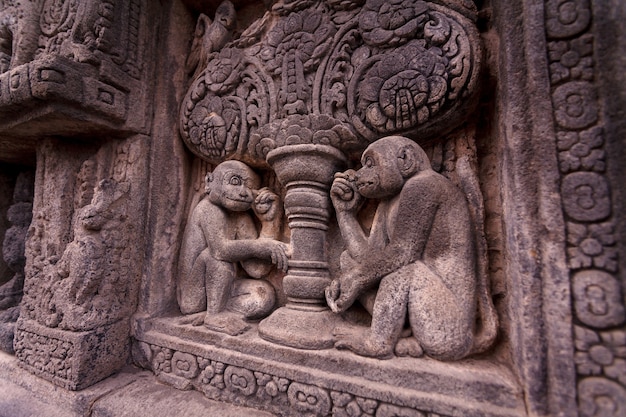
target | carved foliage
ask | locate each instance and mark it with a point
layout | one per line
(227, 382)
(378, 67)
(586, 196)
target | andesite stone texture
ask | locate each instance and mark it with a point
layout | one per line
(312, 208)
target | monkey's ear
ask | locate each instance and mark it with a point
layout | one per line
(208, 179)
(407, 161)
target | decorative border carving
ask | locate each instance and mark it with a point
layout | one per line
(72, 360)
(222, 381)
(592, 254)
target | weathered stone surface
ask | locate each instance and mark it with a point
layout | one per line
(313, 208)
(25, 395)
(19, 215)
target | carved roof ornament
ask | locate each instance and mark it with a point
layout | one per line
(341, 73)
(84, 60)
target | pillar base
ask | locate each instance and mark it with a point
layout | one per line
(300, 329)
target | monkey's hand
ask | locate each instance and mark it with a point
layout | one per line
(267, 205)
(344, 194)
(342, 293)
(278, 252)
(332, 294)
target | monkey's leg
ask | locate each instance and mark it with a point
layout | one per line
(219, 281)
(191, 289)
(252, 298)
(440, 323)
(388, 318)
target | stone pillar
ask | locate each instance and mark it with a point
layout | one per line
(306, 170)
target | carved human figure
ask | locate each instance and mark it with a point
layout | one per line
(418, 261)
(210, 36)
(223, 256)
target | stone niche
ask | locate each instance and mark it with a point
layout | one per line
(317, 208)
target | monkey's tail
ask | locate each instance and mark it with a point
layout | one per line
(487, 324)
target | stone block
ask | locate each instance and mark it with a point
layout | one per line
(72, 360)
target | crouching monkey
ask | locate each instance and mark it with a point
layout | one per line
(223, 256)
(420, 253)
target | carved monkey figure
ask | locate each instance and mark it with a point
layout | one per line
(420, 253)
(222, 250)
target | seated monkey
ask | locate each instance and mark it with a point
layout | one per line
(223, 256)
(420, 253)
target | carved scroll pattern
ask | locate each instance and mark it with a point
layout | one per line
(223, 381)
(600, 338)
(368, 68)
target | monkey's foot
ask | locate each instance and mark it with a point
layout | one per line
(361, 342)
(409, 346)
(226, 322)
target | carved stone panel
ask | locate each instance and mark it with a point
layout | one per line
(82, 276)
(73, 68)
(19, 215)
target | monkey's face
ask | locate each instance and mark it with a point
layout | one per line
(234, 190)
(380, 176)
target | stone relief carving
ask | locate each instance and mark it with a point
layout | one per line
(82, 276)
(83, 288)
(418, 262)
(598, 301)
(89, 292)
(19, 215)
(19, 32)
(331, 60)
(303, 91)
(85, 52)
(211, 36)
(224, 258)
(288, 396)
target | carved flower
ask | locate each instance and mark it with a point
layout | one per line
(391, 22)
(161, 361)
(281, 384)
(207, 374)
(221, 73)
(213, 126)
(404, 89)
(345, 405)
(581, 150)
(601, 352)
(305, 35)
(592, 245)
(571, 59)
(213, 374)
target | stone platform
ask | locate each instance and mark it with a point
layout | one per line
(131, 393)
(247, 370)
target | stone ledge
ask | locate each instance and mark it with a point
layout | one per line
(131, 393)
(249, 371)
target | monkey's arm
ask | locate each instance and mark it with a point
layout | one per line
(417, 208)
(353, 235)
(347, 200)
(255, 267)
(243, 245)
